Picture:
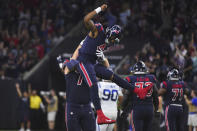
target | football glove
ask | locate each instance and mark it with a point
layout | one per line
(100, 54)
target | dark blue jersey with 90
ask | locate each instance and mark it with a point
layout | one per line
(88, 50)
(77, 91)
(142, 81)
(174, 92)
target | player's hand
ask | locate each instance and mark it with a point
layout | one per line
(17, 85)
(100, 54)
(103, 7)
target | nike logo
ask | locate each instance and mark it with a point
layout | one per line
(108, 120)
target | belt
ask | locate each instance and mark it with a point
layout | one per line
(176, 105)
(78, 105)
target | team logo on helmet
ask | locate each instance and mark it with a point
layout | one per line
(113, 33)
(140, 68)
(173, 74)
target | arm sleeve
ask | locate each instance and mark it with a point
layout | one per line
(99, 27)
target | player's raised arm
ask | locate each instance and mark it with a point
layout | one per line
(18, 90)
(88, 19)
(76, 53)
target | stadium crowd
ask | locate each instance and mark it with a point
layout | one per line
(169, 32)
(29, 29)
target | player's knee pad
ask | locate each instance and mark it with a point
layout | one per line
(102, 72)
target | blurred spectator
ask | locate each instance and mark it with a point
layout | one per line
(194, 62)
(35, 106)
(29, 29)
(24, 109)
(192, 118)
(52, 108)
(178, 37)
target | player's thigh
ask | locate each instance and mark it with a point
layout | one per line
(102, 127)
(136, 122)
(148, 118)
(170, 118)
(72, 118)
(88, 73)
(180, 119)
(72, 123)
(110, 127)
(88, 121)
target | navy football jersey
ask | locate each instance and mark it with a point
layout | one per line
(77, 90)
(142, 81)
(175, 92)
(90, 45)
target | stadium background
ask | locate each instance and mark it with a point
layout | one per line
(34, 32)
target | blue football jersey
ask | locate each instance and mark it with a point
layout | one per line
(142, 81)
(88, 50)
(77, 90)
(175, 92)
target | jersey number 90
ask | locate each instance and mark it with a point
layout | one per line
(110, 94)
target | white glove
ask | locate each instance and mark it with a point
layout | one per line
(100, 54)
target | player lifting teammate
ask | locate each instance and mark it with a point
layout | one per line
(84, 57)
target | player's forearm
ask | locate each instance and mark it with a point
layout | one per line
(76, 53)
(88, 20)
(106, 63)
(89, 17)
(47, 100)
(19, 92)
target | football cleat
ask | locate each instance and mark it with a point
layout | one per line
(102, 119)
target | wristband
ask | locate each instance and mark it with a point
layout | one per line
(98, 10)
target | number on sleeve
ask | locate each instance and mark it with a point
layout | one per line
(80, 79)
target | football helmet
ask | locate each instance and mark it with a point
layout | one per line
(140, 68)
(113, 34)
(173, 74)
